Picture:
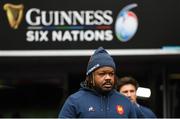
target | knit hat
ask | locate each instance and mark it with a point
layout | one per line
(98, 59)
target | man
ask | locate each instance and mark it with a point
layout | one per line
(128, 87)
(97, 97)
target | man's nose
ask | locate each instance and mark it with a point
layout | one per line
(107, 76)
(128, 94)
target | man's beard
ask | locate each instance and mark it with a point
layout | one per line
(102, 90)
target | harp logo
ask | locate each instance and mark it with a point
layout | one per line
(14, 14)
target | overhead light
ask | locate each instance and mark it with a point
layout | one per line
(143, 92)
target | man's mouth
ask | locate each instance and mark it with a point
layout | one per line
(107, 85)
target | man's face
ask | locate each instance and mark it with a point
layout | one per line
(104, 79)
(129, 91)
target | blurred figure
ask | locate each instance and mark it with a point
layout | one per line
(128, 87)
(97, 97)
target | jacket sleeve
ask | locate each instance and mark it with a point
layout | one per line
(69, 109)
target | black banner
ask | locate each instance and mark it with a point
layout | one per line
(82, 24)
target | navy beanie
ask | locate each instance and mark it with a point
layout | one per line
(98, 59)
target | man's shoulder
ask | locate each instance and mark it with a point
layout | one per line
(148, 111)
(119, 95)
(145, 108)
(77, 94)
(123, 99)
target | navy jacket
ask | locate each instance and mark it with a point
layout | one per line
(87, 103)
(144, 112)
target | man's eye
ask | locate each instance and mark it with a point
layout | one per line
(101, 74)
(111, 74)
(125, 91)
(132, 91)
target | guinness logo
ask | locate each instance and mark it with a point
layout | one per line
(14, 14)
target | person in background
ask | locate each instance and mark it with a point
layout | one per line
(97, 97)
(128, 87)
